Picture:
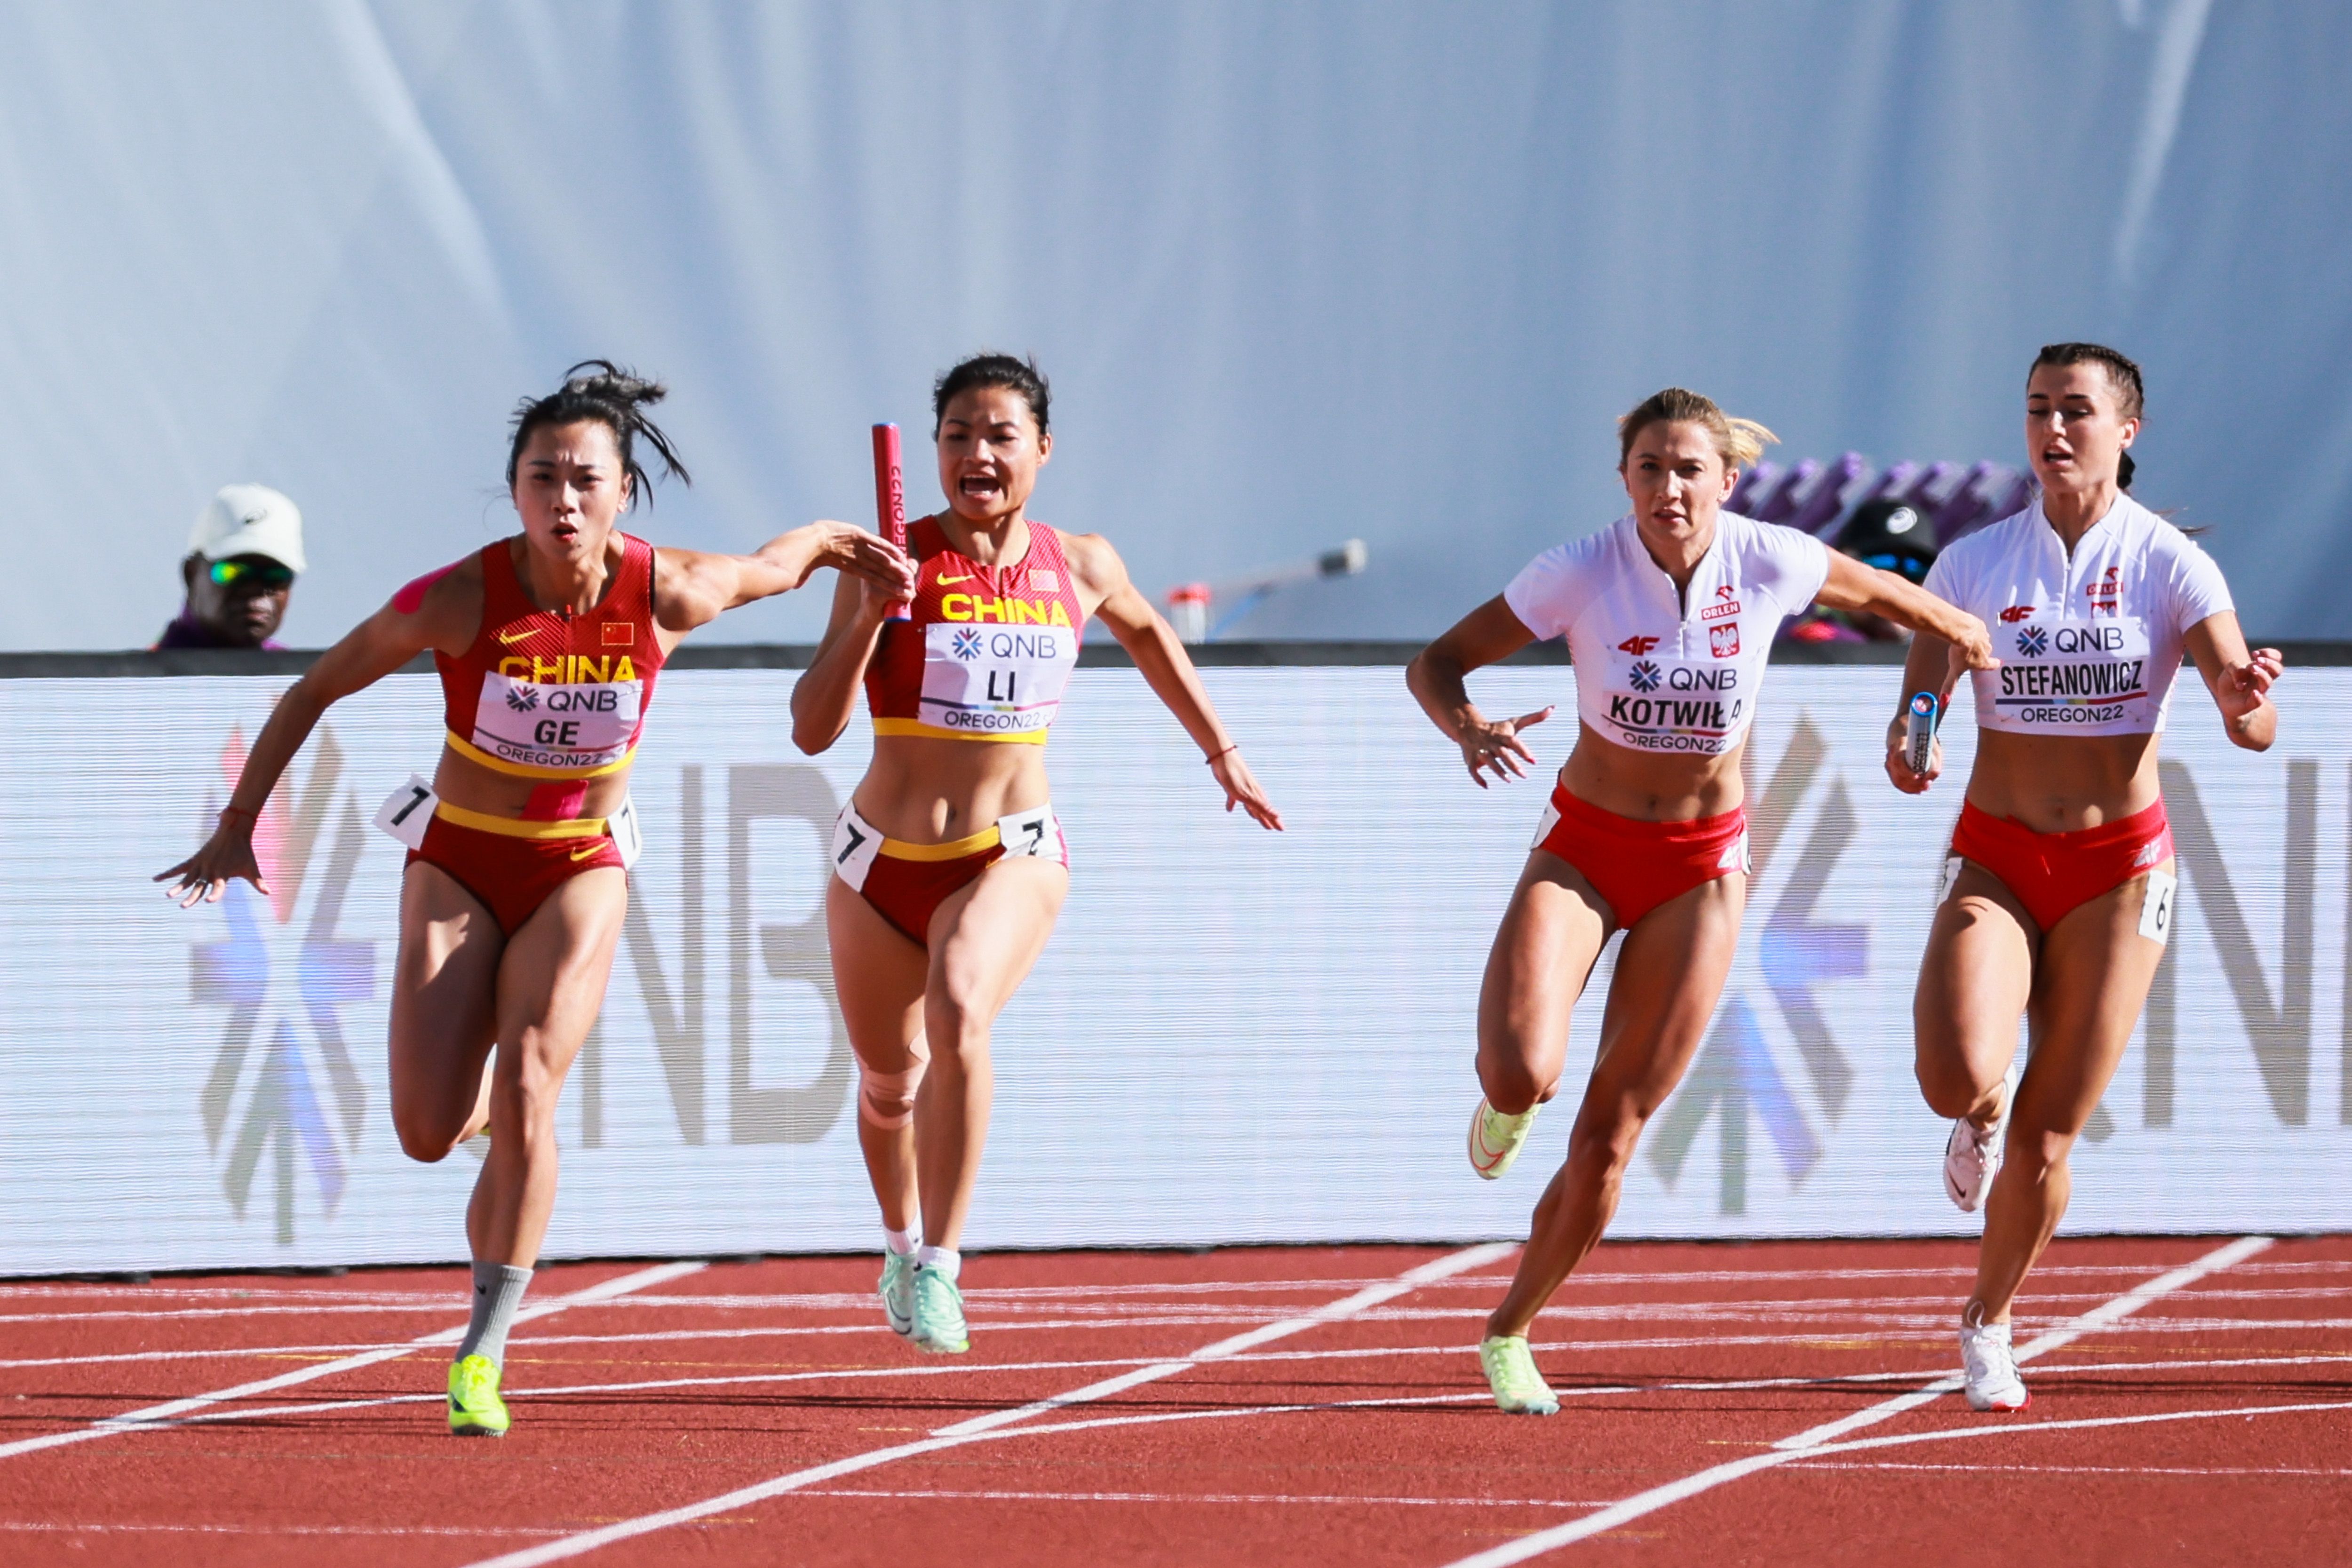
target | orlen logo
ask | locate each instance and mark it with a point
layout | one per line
(2106, 593)
(1637, 645)
(1725, 604)
(2015, 614)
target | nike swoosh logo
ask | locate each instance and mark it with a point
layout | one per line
(584, 854)
(515, 636)
(965, 578)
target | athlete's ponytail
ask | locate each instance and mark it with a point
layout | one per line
(1739, 441)
(613, 397)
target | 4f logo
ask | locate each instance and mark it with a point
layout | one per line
(2014, 614)
(1645, 676)
(1637, 645)
(1723, 641)
(283, 1083)
(2033, 642)
(967, 645)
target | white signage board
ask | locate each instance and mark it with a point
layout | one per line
(1235, 1036)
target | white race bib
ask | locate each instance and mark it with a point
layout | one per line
(2156, 906)
(856, 842)
(1033, 833)
(986, 679)
(1550, 820)
(627, 835)
(407, 811)
(2073, 676)
(538, 726)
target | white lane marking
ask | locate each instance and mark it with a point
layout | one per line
(1817, 1440)
(2077, 1469)
(966, 1369)
(966, 1432)
(2065, 1334)
(370, 1530)
(1205, 1496)
(156, 1415)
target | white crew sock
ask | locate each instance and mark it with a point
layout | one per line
(497, 1296)
(903, 1243)
(946, 1261)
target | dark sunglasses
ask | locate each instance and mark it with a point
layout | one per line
(1904, 565)
(267, 575)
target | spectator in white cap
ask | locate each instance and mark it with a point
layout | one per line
(242, 558)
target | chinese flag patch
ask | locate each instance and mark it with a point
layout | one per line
(620, 634)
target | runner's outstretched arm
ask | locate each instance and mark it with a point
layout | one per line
(1167, 668)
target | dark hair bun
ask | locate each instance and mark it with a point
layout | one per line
(610, 397)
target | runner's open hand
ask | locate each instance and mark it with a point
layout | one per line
(1496, 746)
(1242, 789)
(206, 874)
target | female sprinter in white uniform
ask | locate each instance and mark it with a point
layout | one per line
(2057, 895)
(1669, 614)
(949, 864)
(548, 645)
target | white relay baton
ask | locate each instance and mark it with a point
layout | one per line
(1919, 738)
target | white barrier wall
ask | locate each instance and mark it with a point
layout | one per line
(1235, 1035)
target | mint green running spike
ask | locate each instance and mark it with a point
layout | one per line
(1495, 1139)
(898, 1291)
(939, 1314)
(475, 1408)
(1511, 1371)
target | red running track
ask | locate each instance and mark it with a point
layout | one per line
(1274, 1406)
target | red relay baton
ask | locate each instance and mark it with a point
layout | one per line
(889, 495)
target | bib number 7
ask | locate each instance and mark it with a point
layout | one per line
(1033, 833)
(407, 812)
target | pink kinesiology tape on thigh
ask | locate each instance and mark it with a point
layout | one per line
(888, 1098)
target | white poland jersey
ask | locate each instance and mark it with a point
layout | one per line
(2087, 646)
(1658, 671)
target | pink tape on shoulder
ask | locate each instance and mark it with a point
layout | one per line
(410, 598)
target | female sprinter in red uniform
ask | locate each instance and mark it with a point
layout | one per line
(1669, 615)
(949, 864)
(548, 646)
(2058, 892)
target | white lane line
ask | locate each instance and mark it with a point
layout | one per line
(979, 1428)
(1205, 1496)
(162, 1414)
(1819, 1440)
(368, 1529)
(963, 1368)
(2065, 1334)
(1977, 1469)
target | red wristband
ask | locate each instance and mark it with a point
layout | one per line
(1211, 758)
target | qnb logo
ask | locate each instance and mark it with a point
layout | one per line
(283, 1083)
(1643, 675)
(2033, 642)
(1793, 1079)
(522, 698)
(967, 645)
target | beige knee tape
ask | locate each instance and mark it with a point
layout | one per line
(887, 1099)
